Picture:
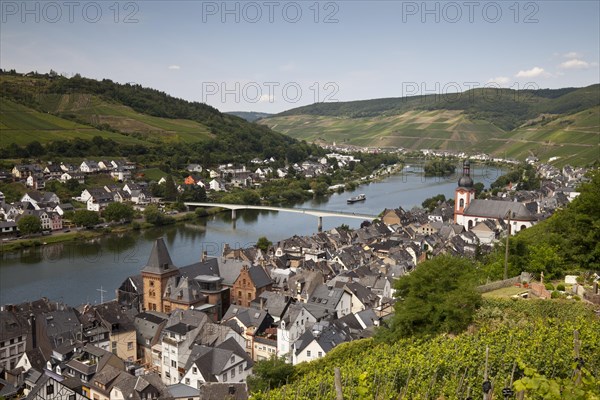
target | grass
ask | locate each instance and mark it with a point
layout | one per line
(22, 125)
(153, 174)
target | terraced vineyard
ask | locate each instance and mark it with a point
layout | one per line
(527, 335)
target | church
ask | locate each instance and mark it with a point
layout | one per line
(468, 211)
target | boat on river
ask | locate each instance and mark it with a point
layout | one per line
(360, 197)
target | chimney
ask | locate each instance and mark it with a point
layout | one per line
(262, 303)
(33, 330)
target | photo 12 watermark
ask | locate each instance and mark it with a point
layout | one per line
(269, 92)
(253, 12)
(453, 92)
(53, 12)
(453, 12)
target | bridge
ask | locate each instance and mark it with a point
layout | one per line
(308, 211)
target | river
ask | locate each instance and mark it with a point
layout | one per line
(76, 272)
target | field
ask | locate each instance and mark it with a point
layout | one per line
(22, 125)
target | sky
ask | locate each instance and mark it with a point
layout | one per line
(271, 56)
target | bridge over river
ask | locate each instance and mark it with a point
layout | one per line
(315, 212)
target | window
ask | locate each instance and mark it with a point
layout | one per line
(151, 283)
(50, 389)
(187, 381)
(225, 377)
(166, 361)
(173, 364)
(72, 397)
(320, 354)
(461, 203)
(194, 370)
(249, 294)
(232, 359)
(241, 368)
(232, 373)
(307, 353)
(129, 345)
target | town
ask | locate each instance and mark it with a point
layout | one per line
(196, 331)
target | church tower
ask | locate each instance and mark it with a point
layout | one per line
(155, 275)
(464, 193)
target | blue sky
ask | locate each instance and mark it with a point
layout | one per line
(271, 56)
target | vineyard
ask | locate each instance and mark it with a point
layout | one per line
(530, 343)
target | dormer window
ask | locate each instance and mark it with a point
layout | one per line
(165, 266)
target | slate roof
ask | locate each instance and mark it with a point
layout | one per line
(498, 209)
(224, 391)
(159, 261)
(259, 277)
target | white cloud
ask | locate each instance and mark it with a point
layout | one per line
(532, 73)
(265, 98)
(575, 63)
(174, 67)
(500, 80)
(572, 54)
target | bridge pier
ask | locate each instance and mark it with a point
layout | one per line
(320, 224)
(233, 215)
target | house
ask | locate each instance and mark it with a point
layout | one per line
(250, 322)
(216, 185)
(39, 198)
(251, 282)
(54, 387)
(318, 341)
(43, 216)
(395, 217)
(224, 363)
(99, 200)
(67, 176)
(148, 327)
(22, 171)
(121, 174)
(293, 324)
(332, 301)
(53, 171)
(61, 209)
(89, 166)
(8, 227)
(194, 168)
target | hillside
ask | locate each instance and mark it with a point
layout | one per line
(549, 123)
(47, 109)
(250, 116)
(527, 334)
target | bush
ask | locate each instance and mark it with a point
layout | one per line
(201, 212)
(576, 298)
(560, 287)
(136, 226)
(555, 295)
(549, 286)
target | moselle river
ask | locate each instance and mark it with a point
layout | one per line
(75, 272)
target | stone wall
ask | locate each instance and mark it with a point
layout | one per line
(499, 284)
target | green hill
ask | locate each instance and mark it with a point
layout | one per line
(249, 116)
(550, 123)
(526, 334)
(47, 109)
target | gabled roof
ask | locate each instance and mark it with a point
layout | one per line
(259, 277)
(498, 209)
(159, 261)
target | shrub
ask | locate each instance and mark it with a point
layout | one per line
(136, 226)
(555, 295)
(560, 287)
(549, 286)
(201, 212)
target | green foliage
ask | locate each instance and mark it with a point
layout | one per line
(524, 175)
(156, 217)
(13, 191)
(439, 168)
(270, 374)
(560, 287)
(29, 224)
(439, 296)
(85, 218)
(582, 386)
(118, 211)
(555, 294)
(170, 190)
(201, 212)
(431, 203)
(193, 193)
(549, 286)
(263, 243)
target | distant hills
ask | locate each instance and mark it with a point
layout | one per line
(250, 116)
(547, 123)
(48, 108)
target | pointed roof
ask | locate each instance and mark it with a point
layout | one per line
(159, 261)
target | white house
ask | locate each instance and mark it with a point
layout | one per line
(216, 185)
(317, 342)
(89, 166)
(292, 325)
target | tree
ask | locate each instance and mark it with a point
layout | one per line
(270, 374)
(431, 203)
(155, 217)
(439, 296)
(170, 189)
(85, 218)
(263, 243)
(29, 224)
(118, 211)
